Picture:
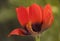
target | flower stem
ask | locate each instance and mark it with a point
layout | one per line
(37, 38)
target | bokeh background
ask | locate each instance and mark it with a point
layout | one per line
(8, 20)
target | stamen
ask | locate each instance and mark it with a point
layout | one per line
(27, 32)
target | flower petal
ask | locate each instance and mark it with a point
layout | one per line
(35, 13)
(17, 31)
(27, 9)
(47, 16)
(22, 15)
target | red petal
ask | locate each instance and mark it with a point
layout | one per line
(47, 16)
(17, 31)
(35, 13)
(27, 9)
(22, 15)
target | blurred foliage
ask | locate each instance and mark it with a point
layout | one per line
(8, 20)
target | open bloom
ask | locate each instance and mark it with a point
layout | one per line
(34, 19)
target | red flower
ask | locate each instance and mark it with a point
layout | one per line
(34, 19)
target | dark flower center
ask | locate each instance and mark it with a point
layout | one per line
(37, 27)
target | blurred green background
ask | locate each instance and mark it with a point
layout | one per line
(8, 20)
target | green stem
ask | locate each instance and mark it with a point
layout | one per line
(37, 38)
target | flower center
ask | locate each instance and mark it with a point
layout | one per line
(37, 27)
